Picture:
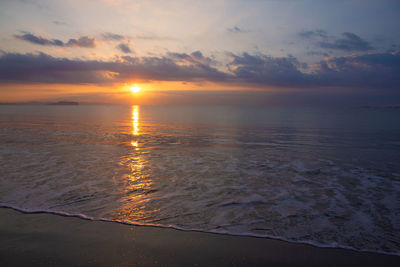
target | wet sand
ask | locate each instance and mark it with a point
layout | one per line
(53, 240)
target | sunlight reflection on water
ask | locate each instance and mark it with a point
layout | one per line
(308, 175)
(138, 182)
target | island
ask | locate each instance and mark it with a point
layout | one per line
(64, 103)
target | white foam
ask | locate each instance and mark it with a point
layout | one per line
(218, 181)
(214, 231)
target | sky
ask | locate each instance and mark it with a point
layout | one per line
(251, 52)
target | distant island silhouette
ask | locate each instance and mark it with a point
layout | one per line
(64, 103)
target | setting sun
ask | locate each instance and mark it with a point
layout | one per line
(135, 89)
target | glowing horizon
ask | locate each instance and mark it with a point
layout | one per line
(53, 50)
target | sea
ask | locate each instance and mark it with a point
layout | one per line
(324, 176)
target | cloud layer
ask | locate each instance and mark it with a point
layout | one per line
(378, 70)
(374, 70)
(267, 70)
(47, 69)
(348, 41)
(83, 41)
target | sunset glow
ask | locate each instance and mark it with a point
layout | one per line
(135, 89)
(264, 52)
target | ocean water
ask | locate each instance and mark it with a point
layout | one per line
(328, 177)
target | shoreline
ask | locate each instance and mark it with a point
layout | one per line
(55, 239)
(173, 227)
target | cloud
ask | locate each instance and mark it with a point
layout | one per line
(378, 70)
(349, 42)
(108, 36)
(172, 67)
(374, 70)
(193, 58)
(83, 41)
(267, 70)
(43, 68)
(236, 29)
(46, 69)
(39, 40)
(317, 53)
(313, 34)
(124, 48)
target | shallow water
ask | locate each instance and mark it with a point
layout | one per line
(330, 177)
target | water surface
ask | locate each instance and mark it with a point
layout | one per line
(330, 177)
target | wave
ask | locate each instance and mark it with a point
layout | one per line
(281, 238)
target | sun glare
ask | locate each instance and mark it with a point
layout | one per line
(135, 89)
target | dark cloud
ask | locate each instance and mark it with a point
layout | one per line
(379, 70)
(317, 53)
(374, 70)
(267, 70)
(349, 42)
(193, 58)
(83, 41)
(124, 48)
(173, 67)
(236, 29)
(313, 34)
(112, 36)
(39, 40)
(47, 69)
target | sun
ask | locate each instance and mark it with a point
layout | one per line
(135, 89)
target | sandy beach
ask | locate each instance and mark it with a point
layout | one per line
(53, 240)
